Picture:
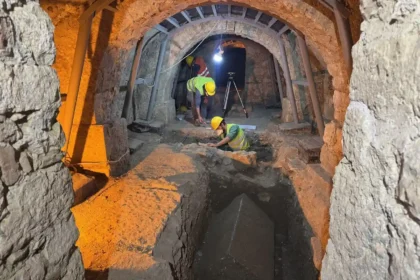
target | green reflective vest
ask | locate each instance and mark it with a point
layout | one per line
(198, 83)
(239, 143)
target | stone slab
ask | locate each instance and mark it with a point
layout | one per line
(134, 145)
(292, 127)
(154, 126)
(240, 243)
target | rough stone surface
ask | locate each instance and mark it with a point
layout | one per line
(149, 221)
(9, 165)
(225, 253)
(83, 187)
(374, 232)
(37, 228)
(312, 186)
(317, 251)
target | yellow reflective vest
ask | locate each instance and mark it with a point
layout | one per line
(198, 83)
(240, 142)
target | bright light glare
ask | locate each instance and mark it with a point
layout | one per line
(218, 58)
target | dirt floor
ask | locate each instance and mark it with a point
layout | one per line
(119, 225)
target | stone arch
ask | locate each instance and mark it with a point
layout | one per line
(134, 18)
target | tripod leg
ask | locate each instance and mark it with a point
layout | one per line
(240, 99)
(226, 97)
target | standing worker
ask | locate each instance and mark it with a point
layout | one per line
(198, 65)
(230, 134)
(200, 88)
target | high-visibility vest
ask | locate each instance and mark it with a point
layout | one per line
(198, 83)
(203, 71)
(239, 143)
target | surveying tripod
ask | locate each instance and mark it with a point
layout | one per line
(225, 102)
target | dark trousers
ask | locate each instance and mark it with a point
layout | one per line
(206, 109)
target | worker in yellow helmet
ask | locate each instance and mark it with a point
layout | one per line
(200, 88)
(232, 136)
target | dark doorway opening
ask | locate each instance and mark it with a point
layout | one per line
(234, 60)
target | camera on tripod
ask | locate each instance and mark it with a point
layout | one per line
(230, 81)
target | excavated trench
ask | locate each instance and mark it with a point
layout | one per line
(291, 256)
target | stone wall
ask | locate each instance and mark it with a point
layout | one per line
(260, 85)
(37, 228)
(374, 229)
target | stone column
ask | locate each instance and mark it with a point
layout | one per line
(38, 232)
(375, 202)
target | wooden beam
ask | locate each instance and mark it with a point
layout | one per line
(300, 82)
(272, 22)
(339, 6)
(289, 87)
(111, 9)
(213, 7)
(229, 10)
(284, 29)
(277, 69)
(186, 16)
(97, 6)
(346, 40)
(311, 83)
(244, 12)
(200, 12)
(257, 18)
(173, 21)
(132, 80)
(82, 43)
(161, 29)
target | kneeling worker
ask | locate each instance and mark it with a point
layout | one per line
(201, 90)
(231, 134)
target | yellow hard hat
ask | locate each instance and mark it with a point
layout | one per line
(215, 122)
(210, 88)
(183, 109)
(189, 60)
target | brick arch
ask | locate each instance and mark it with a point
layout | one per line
(136, 17)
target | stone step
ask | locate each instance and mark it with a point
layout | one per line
(240, 243)
(295, 127)
(134, 145)
(84, 187)
(294, 164)
(153, 126)
(310, 148)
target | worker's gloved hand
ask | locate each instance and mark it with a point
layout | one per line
(200, 120)
(212, 145)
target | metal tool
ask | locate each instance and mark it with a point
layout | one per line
(225, 102)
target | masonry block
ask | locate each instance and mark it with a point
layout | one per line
(240, 243)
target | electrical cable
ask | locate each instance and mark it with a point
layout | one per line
(69, 164)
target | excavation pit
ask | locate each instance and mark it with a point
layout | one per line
(171, 196)
(275, 196)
